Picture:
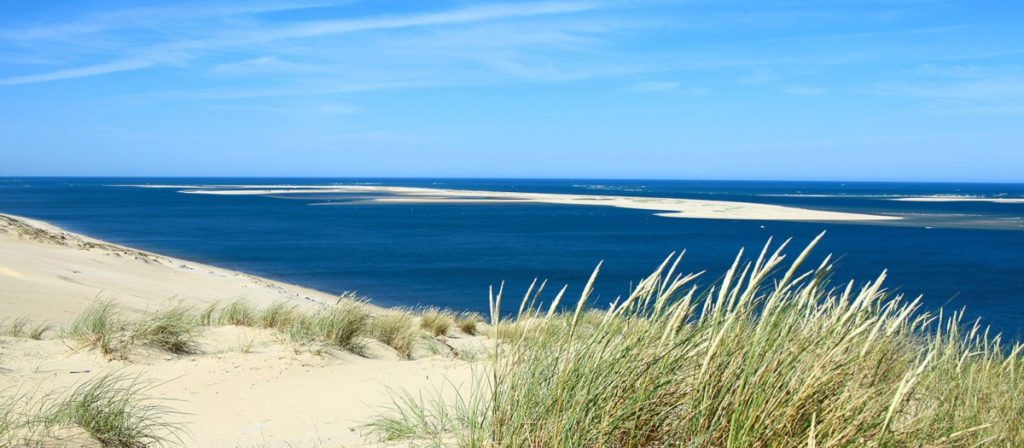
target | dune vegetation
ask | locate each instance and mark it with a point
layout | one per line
(111, 410)
(115, 410)
(766, 357)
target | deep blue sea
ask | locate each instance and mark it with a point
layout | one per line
(956, 254)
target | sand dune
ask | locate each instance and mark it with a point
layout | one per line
(268, 396)
(247, 388)
(50, 274)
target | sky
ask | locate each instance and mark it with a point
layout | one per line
(912, 90)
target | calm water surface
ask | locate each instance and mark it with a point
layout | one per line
(957, 254)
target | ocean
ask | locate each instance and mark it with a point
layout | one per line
(958, 254)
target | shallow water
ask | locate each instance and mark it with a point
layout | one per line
(956, 254)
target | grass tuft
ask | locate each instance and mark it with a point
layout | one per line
(467, 322)
(115, 411)
(337, 326)
(396, 329)
(23, 328)
(341, 324)
(175, 330)
(208, 316)
(239, 313)
(437, 322)
(105, 327)
(101, 326)
(278, 316)
(769, 355)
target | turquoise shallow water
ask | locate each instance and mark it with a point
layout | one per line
(957, 254)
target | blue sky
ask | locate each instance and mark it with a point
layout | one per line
(912, 90)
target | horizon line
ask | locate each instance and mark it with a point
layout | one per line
(617, 179)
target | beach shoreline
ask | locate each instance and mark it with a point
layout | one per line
(959, 199)
(665, 207)
(50, 274)
(244, 385)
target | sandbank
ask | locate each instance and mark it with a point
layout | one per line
(667, 207)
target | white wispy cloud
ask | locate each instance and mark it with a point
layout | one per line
(990, 89)
(1001, 95)
(459, 16)
(262, 64)
(248, 37)
(305, 89)
(145, 17)
(79, 72)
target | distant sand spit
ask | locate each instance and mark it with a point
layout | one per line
(960, 199)
(667, 207)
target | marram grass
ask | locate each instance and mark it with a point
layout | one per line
(113, 409)
(23, 328)
(396, 329)
(769, 356)
(107, 327)
(436, 321)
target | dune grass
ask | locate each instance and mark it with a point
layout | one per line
(467, 322)
(175, 330)
(436, 321)
(106, 327)
(439, 417)
(239, 313)
(208, 315)
(278, 316)
(101, 326)
(767, 356)
(24, 328)
(114, 409)
(337, 326)
(396, 329)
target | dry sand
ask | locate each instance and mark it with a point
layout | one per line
(248, 388)
(265, 396)
(49, 274)
(667, 207)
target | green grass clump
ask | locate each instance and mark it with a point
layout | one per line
(767, 356)
(101, 326)
(467, 322)
(443, 417)
(113, 409)
(337, 326)
(175, 330)
(396, 329)
(105, 327)
(208, 316)
(437, 322)
(23, 328)
(239, 313)
(278, 316)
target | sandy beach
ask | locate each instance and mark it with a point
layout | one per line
(247, 387)
(960, 199)
(667, 207)
(50, 274)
